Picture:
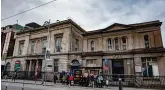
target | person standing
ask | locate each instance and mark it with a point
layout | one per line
(92, 80)
(36, 75)
(14, 75)
(99, 81)
(67, 79)
(55, 78)
(71, 80)
(63, 79)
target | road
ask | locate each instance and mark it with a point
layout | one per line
(18, 86)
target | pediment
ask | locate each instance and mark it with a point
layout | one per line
(117, 26)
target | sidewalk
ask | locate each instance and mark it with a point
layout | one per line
(65, 87)
(58, 86)
(27, 82)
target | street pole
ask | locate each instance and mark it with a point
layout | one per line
(47, 49)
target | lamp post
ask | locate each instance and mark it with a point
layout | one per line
(47, 53)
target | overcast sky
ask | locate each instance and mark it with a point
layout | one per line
(89, 14)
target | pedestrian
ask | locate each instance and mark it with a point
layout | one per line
(81, 80)
(36, 74)
(55, 78)
(92, 80)
(107, 82)
(95, 80)
(99, 81)
(71, 80)
(14, 76)
(67, 79)
(63, 79)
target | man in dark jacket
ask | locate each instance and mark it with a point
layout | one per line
(55, 78)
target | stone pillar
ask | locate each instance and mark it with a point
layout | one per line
(30, 66)
(37, 63)
(24, 65)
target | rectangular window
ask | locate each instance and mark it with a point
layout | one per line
(92, 45)
(109, 44)
(32, 46)
(44, 45)
(149, 67)
(91, 63)
(21, 46)
(116, 44)
(58, 41)
(56, 65)
(77, 45)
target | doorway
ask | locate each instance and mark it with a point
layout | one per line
(117, 69)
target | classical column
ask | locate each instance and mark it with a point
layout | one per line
(24, 66)
(30, 66)
(36, 64)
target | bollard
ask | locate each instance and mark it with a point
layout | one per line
(6, 84)
(93, 84)
(23, 85)
(120, 84)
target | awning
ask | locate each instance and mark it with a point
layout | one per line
(2, 62)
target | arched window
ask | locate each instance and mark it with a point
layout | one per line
(146, 41)
(124, 43)
(8, 66)
(116, 40)
(109, 44)
(92, 45)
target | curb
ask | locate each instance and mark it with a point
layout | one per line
(27, 83)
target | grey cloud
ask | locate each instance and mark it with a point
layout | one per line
(89, 14)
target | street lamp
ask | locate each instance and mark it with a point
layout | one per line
(47, 53)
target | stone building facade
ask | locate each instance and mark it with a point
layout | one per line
(7, 43)
(116, 49)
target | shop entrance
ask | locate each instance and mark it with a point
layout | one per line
(75, 70)
(117, 69)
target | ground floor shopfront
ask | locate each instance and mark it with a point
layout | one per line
(137, 64)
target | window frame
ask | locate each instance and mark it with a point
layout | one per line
(56, 65)
(91, 62)
(146, 61)
(124, 45)
(146, 41)
(109, 44)
(76, 45)
(32, 44)
(116, 46)
(21, 47)
(58, 46)
(92, 47)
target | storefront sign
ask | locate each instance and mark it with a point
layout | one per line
(138, 68)
(17, 65)
(106, 60)
(106, 67)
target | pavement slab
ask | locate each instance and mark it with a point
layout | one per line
(18, 86)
